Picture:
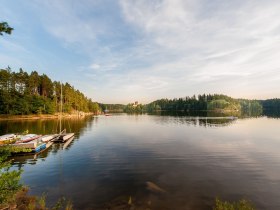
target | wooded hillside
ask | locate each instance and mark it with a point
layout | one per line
(24, 93)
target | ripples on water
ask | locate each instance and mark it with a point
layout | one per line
(194, 159)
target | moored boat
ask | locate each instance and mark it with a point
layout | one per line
(28, 138)
(33, 146)
(41, 146)
(63, 136)
(66, 144)
(66, 136)
(50, 137)
(8, 138)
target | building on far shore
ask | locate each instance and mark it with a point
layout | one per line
(135, 104)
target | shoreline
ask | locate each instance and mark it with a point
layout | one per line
(44, 116)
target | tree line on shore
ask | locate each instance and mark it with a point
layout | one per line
(32, 93)
(112, 107)
(208, 102)
(24, 93)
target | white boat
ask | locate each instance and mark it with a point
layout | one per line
(63, 136)
(47, 138)
(66, 136)
(8, 138)
(66, 144)
(27, 145)
(28, 138)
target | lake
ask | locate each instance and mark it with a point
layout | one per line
(193, 159)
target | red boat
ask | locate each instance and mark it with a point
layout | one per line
(28, 138)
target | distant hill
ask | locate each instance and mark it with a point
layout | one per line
(210, 102)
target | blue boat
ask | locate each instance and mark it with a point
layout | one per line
(39, 148)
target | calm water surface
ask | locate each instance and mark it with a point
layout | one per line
(193, 159)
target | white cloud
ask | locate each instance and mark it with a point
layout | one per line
(94, 66)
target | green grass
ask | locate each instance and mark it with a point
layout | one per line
(239, 205)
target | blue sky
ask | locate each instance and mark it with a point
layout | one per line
(123, 51)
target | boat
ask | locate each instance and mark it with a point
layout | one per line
(67, 143)
(8, 138)
(66, 136)
(28, 138)
(41, 146)
(50, 137)
(62, 136)
(35, 146)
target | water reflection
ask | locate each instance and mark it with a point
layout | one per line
(194, 159)
(46, 126)
(197, 121)
(20, 160)
(272, 113)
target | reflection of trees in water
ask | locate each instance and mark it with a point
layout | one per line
(206, 119)
(32, 159)
(216, 122)
(46, 126)
(210, 118)
(21, 160)
(272, 113)
(197, 113)
(197, 121)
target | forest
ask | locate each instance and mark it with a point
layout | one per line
(112, 107)
(209, 102)
(22, 93)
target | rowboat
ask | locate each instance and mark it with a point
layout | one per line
(28, 138)
(66, 136)
(47, 138)
(63, 136)
(66, 144)
(34, 145)
(8, 138)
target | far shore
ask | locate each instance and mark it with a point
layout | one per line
(44, 116)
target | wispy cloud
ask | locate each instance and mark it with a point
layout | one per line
(227, 42)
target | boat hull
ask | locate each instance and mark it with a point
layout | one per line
(8, 139)
(48, 138)
(28, 138)
(40, 148)
(33, 147)
(64, 137)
